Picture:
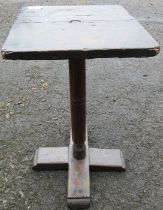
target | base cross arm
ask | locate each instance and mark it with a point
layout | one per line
(56, 158)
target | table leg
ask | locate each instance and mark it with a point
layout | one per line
(77, 75)
(78, 171)
(78, 158)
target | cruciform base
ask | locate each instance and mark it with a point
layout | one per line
(61, 158)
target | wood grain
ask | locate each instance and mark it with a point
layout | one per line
(64, 32)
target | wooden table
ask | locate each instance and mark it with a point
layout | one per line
(77, 33)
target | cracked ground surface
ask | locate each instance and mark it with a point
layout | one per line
(124, 110)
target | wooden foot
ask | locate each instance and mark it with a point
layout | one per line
(52, 158)
(78, 179)
(56, 158)
(106, 160)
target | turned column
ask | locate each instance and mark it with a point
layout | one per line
(77, 74)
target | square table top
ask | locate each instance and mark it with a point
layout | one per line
(65, 32)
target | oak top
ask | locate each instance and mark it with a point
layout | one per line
(64, 32)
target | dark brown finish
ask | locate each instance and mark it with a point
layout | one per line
(78, 105)
(78, 179)
(65, 32)
(76, 33)
(78, 170)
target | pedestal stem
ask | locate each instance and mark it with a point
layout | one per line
(77, 74)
